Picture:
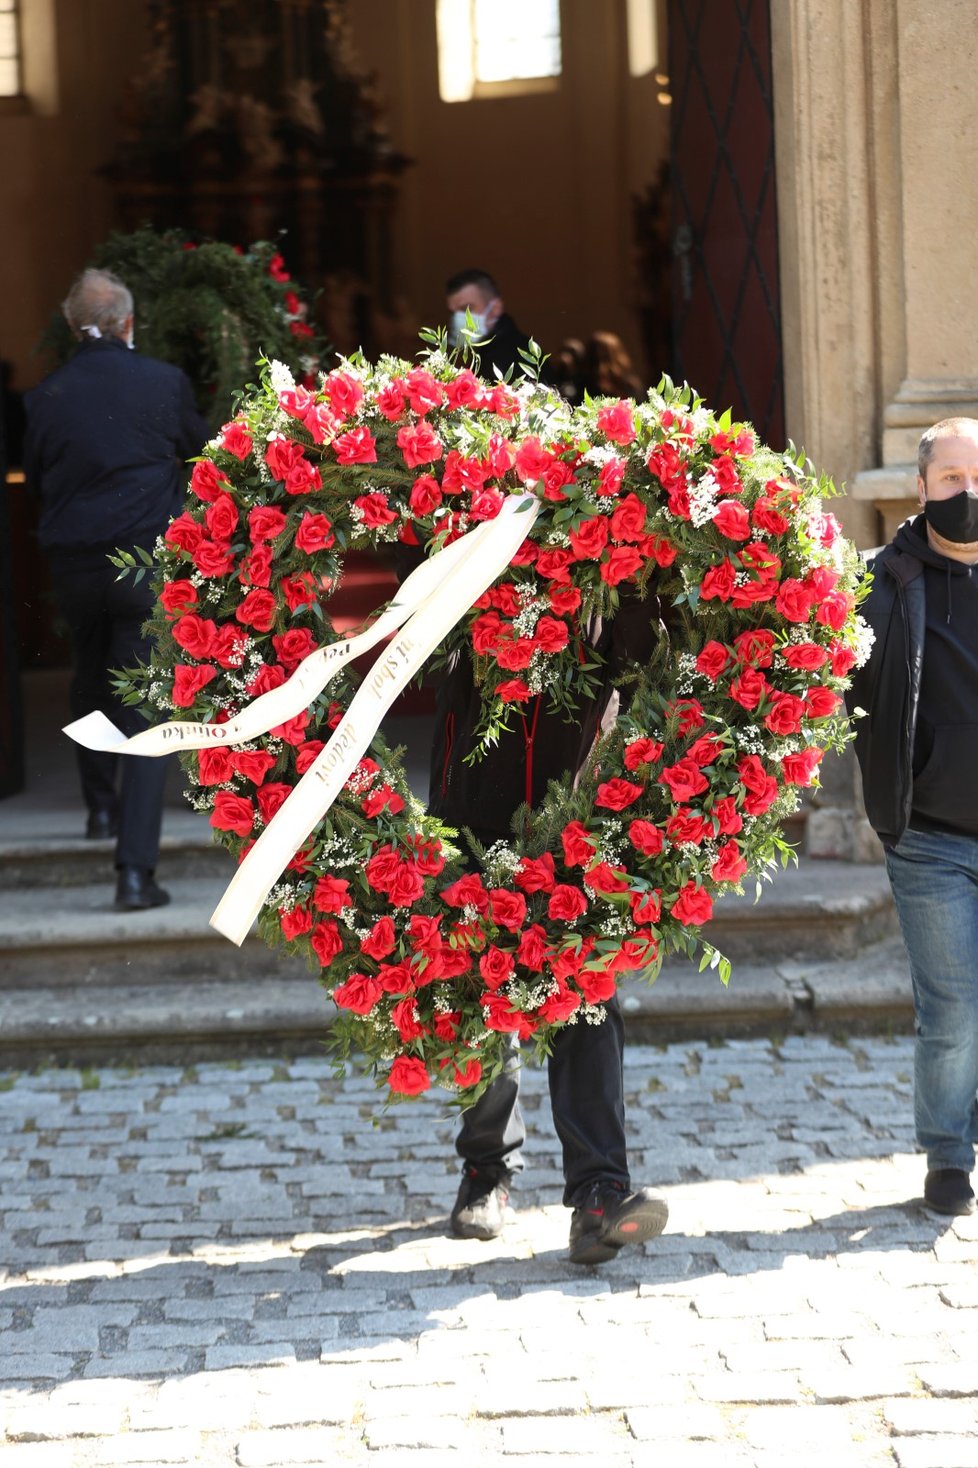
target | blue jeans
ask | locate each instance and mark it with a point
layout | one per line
(934, 878)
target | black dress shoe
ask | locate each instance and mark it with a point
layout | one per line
(136, 890)
(102, 825)
(948, 1190)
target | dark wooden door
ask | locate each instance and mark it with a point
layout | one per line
(726, 297)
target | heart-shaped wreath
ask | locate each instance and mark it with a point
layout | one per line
(433, 964)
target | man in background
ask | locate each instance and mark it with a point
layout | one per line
(918, 752)
(108, 436)
(475, 292)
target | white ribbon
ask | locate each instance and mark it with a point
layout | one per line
(428, 605)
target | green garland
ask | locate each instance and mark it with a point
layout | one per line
(209, 308)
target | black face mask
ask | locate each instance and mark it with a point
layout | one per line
(955, 519)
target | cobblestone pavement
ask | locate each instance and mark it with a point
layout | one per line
(232, 1266)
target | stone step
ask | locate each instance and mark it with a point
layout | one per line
(71, 936)
(288, 1012)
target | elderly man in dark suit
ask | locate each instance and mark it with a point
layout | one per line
(108, 436)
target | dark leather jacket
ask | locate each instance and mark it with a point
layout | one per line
(888, 689)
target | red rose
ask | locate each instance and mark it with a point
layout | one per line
(604, 878)
(705, 749)
(315, 534)
(806, 655)
(689, 712)
(611, 476)
(462, 474)
(293, 731)
(195, 635)
(617, 794)
(513, 691)
(356, 446)
(307, 754)
(693, 906)
(267, 678)
(799, 769)
(294, 922)
(785, 714)
(532, 460)
(299, 591)
(271, 798)
(749, 688)
(256, 568)
(465, 391)
(550, 635)
(597, 987)
(843, 659)
(794, 600)
(616, 422)
(590, 538)
(425, 495)
(623, 561)
(252, 764)
(344, 392)
(405, 1017)
(834, 609)
(391, 400)
(507, 909)
(229, 645)
(730, 518)
(555, 564)
(555, 476)
(207, 481)
(419, 445)
(512, 656)
(646, 906)
(265, 522)
(566, 903)
(293, 646)
(687, 827)
(332, 894)
(232, 813)
(257, 610)
(500, 1014)
(502, 401)
(766, 517)
(729, 866)
(408, 1076)
(214, 766)
(326, 942)
(235, 439)
(380, 940)
(424, 391)
(718, 583)
(359, 994)
(221, 518)
(468, 891)
(564, 600)
(727, 816)
(642, 752)
(755, 648)
(496, 967)
(383, 798)
(645, 837)
(684, 779)
(406, 885)
(821, 702)
(375, 510)
(713, 660)
(504, 599)
(184, 533)
(536, 874)
(188, 681)
(579, 845)
(212, 559)
(281, 454)
(177, 597)
(532, 950)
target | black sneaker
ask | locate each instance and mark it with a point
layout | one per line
(948, 1190)
(610, 1218)
(480, 1208)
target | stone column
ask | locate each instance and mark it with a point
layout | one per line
(937, 56)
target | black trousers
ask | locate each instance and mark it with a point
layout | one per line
(587, 1100)
(105, 618)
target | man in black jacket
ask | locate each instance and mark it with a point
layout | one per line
(918, 752)
(475, 291)
(108, 436)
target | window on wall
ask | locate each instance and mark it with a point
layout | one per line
(10, 84)
(493, 48)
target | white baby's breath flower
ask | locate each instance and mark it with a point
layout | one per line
(280, 377)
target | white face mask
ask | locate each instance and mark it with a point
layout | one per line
(480, 327)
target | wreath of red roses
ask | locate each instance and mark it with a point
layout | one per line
(432, 967)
